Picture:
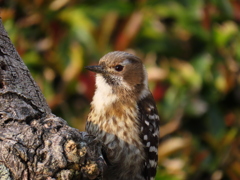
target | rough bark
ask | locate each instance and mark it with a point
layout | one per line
(34, 143)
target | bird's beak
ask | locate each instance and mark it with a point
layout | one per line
(96, 69)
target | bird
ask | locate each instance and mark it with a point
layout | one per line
(124, 117)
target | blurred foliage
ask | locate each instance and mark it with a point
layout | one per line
(192, 53)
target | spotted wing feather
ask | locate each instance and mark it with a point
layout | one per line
(149, 128)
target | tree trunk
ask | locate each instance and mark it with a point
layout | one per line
(34, 143)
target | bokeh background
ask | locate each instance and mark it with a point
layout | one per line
(191, 49)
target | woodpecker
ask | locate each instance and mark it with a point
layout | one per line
(124, 117)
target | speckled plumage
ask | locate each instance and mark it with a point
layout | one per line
(124, 117)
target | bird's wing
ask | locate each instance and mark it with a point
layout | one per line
(149, 129)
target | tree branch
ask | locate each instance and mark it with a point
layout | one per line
(34, 143)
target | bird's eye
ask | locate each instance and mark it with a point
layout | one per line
(118, 67)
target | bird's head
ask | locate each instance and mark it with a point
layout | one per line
(122, 71)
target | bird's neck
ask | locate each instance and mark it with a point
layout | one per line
(107, 101)
(112, 113)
